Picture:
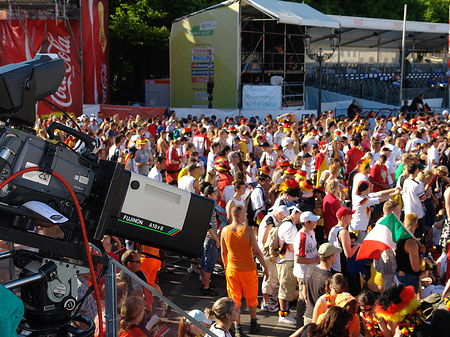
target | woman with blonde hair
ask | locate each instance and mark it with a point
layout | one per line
(331, 203)
(331, 173)
(224, 311)
(188, 329)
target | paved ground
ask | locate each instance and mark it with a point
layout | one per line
(183, 289)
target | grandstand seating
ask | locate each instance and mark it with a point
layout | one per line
(374, 83)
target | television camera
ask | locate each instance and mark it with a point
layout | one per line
(111, 201)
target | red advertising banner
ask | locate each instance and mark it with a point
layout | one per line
(94, 17)
(125, 112)
(21, 40)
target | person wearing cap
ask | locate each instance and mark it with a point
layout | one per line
(189, 182)
(289, 196)
(279, 135)
(187, 329)
(268, 158)
(238, 243)
(211, 245)
(340, 237)
(144, 156)
(130, 159)
(288, 148)
(362, 203)
(287, 230)
(306, 166)
(316, 276)
(305, 250)
(273, 218)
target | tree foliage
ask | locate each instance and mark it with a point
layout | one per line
(140, 30)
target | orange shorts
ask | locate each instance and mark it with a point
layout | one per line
(243, 282)
(150, 268)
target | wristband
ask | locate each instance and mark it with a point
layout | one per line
(421, 255)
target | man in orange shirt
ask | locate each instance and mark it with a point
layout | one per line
(238, 244)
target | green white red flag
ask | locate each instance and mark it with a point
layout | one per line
(384, 235)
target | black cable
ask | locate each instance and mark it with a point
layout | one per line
(91, 287)
(65, 113)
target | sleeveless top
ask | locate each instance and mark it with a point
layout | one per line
(341, 261)
(240, 253)
(402, 258)
(238, 202)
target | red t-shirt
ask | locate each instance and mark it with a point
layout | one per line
(330, 206)
(152, 129)
(354, 154)
(379, 174)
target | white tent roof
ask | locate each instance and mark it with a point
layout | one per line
(386, 24)
(293, 13)
(358, 32)
(355, 32)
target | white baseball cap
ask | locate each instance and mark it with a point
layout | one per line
(199, 316)
(308, 216)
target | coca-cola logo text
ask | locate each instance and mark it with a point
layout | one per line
(61, 45)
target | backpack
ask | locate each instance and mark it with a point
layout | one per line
(248, 206)
(272, 247)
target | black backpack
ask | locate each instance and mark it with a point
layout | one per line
(248, 206)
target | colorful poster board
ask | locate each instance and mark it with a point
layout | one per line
(203, 46)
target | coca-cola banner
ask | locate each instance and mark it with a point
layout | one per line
(95, 51)
(21, 40)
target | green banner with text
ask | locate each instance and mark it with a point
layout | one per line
(203, 47)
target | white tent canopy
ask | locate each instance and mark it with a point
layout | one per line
(358, 32)
(355, 32)
(293, 13)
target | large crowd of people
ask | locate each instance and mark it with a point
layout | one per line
(295, 198)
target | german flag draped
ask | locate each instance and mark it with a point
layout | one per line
(320, 166)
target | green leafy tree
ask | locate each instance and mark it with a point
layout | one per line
(139, 36)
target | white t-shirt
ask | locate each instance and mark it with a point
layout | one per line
(305, 245)
(187, 183)
(334, 240)
(210, 162)
(286, 234)
(290, 154)
(433, 154)
(412, 191)
(155, 174)
(361, 205)
(356, 180)
(269, 218)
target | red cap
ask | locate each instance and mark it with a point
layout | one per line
(282, 162)
(290, 170)
(276, 147)
(343, 211)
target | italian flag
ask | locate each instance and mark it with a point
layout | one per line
(384, 235)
